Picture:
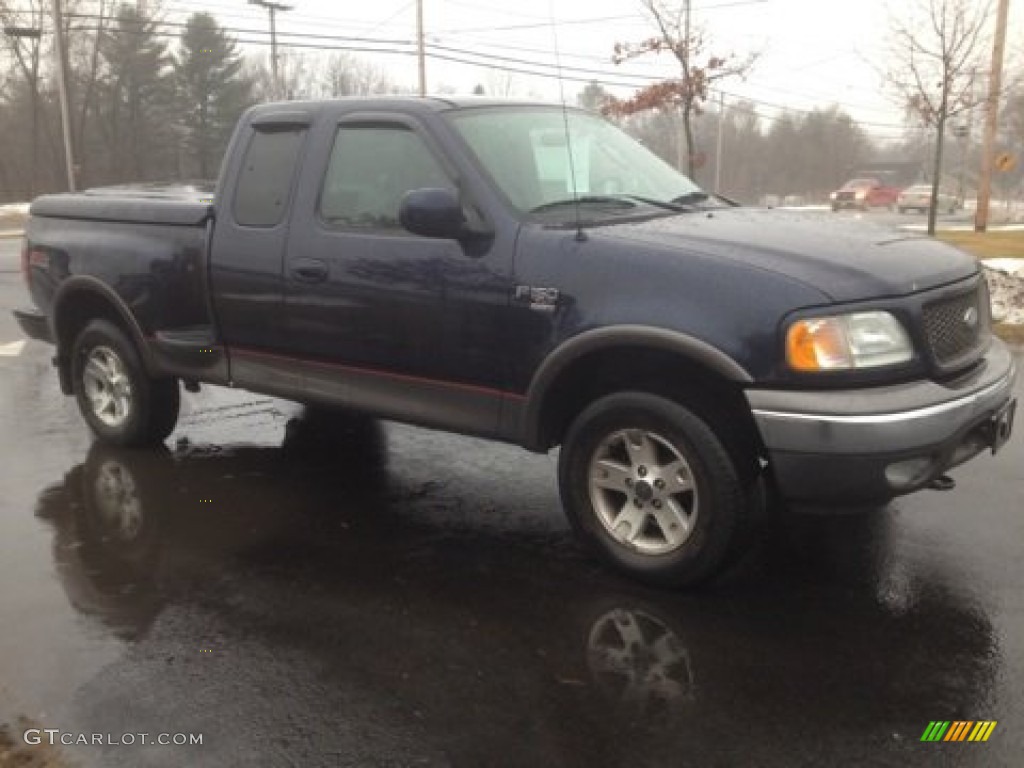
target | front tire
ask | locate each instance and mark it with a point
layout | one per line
(652, 488)
(120, 402)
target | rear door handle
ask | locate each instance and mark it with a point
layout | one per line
(309, 270)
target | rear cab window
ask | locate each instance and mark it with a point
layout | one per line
(264, 185)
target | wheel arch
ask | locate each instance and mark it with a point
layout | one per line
(80, 300)
(600, 361)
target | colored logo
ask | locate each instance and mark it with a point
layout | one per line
(959, 730)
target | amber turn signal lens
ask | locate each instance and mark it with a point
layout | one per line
(818, 345)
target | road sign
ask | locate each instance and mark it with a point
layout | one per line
(1006, 162)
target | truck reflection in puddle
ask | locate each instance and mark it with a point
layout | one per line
(132, 527)
(317, 575)
(637, 661)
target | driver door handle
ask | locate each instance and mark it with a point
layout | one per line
(309, 270)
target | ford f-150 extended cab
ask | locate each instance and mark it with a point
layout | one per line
(529, 273)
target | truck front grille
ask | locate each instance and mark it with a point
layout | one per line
(957, 326)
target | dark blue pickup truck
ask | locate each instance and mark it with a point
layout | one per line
(530, 274)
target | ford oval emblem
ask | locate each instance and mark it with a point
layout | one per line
(971, 317)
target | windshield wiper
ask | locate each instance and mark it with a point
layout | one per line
(618, 201)
(691, 197)
(668, 205)
(623, 201)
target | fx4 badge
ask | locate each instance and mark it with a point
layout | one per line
(539, 299)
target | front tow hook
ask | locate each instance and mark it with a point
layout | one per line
(942, 483)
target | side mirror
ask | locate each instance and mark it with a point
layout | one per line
(433, 212)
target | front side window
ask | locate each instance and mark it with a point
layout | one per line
(265, 180)
(371, 168)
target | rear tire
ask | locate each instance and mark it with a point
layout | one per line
(120, 402)
(652, 489)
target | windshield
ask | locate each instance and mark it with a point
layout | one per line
(526, 153)
(859, 183)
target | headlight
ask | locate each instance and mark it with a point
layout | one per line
(845, 342)
(860, 194)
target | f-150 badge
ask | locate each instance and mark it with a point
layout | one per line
(539, 299)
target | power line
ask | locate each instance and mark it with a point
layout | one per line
(622, 78)
(454, 54)
(597, 20)
(185, 7)
(405, 7)
(273, 8)
(541, 24)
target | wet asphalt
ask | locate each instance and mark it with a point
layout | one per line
(306, 589)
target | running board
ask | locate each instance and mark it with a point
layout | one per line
(192, 353)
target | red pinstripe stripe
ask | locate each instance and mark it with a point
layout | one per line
(382, 374)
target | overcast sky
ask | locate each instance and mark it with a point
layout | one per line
(813, 52)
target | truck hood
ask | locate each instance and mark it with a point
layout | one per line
(847, 259)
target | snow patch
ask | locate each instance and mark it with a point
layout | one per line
(1007, 290)
(1006, 266)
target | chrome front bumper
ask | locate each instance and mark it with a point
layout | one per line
(869, 445)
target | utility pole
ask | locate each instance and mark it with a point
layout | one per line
(272, 8)
(31, 70)
(685, 153)
(995, 84)
(62, 87)
(718, 148)
(421, 54)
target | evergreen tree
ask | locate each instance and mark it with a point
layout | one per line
(212, 92)
(136, 93)
(594, 97)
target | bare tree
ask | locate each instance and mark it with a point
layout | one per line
(293, 81)
(688, 43)
(501, 83)
(935, 51)
(86, 63)
(1012, 133)
(342, 74)
(22, 29)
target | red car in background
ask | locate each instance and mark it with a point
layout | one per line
(863, 194)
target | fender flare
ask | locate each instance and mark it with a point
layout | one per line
(568, 352)
(76, 286)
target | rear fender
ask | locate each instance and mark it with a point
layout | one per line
(80, 299)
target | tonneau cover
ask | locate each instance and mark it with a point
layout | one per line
(177, 204)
